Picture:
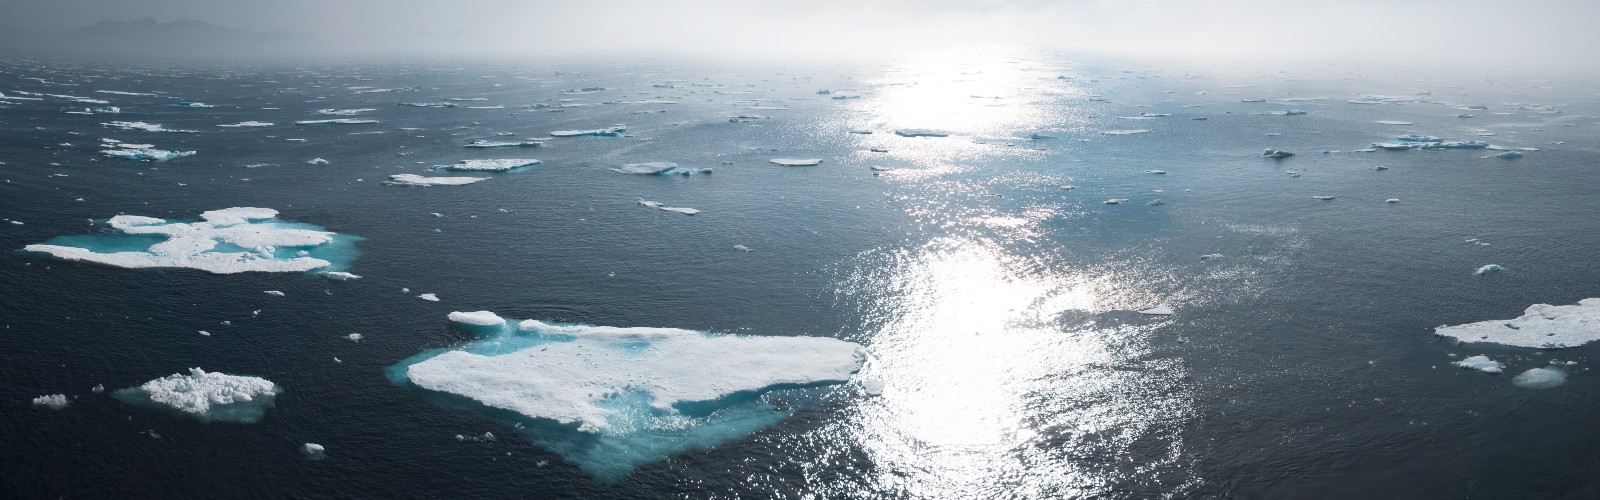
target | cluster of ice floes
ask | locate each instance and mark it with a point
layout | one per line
(417, 180)
(663, 207)
(145, 152)
(612, 131)
(206, 396)
(623, 396)
(1542, 326)
(145, 127)
(226, 241)
(658, 168)
(498, 165)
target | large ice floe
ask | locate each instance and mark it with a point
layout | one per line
(417, 180)
(658, 168)
(1541, 325)
(231, 240)
(609, 398)
(500, 165)
(206, 396)
(612, 131)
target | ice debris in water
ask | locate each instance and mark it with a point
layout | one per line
(354, 337)
(663, 207)
(226, 241)
(794, 162)
(340, 275)
(610, 398)
(920, 132)
(147, 127)
(336, 121)
(144, 153)
(429, 297)
(1507, 154)
(497, 165)
(52, 401)
(1392, 200)
(1393, 122)
(482, 144)
(344, 112)
(1156, 172)
(1491, 268)
(1540, 378)
(1159, 310)
(417, 180)
(207, 396)
(1322, 197)
(317, 161)
(274, 293)
(612, 131)
(1480, 363)
(741, 248)
(477, 318)
(1125, 132)
(1116, 201)
(246, 124)
(1541, 326)
(658, 168)
(314, 451)
(1275, 153)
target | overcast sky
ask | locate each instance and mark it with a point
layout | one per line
(1485, 32)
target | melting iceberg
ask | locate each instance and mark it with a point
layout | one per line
(226, 241)
(658, 168)
(206, 396)
(609, 399)
(1541, 325)
(500, 165)
(417, 180)
(613, 131)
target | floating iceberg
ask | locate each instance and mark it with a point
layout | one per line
(663, 207)
(498, 165)
(145, 154)
(920, 132)
(226, 241)
(658, 168)
(1491, 268)
(314, 451)
(316, 161)
(1275, 153)
(417, 180)
(1541, 325)
(609, 399)
(1540, 378)
(477, 318)
(794, 162)
(206, 396)
(486, 144)
(602, 132)
(1322, 197)
(1125, 132)
(1480, 363)
(146, 127)
(52, 401)
(336, 121)
(246, 124)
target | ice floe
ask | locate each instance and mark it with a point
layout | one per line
(1541, 326)
(920, 132)
(145, 127)
(496, 165)
(52, 401)
(612, 131)
(144, 154)
(797, 162)
(336, 121)
(482, 144)
(429, 297)
(610, 398)
(1540, 378)
(1159, 310)
(1480, 363)
(206, 396)
(417, 180)
(477, 318)
(344, 112)
(226, 241)
(314, 451)
(246, 124)
(663, 207)
(1125, 132)
(340, 275)
(1275, 153)
(1491, 268)
(658, 168)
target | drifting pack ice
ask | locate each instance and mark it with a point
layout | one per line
(1541, 325)
(206, 396)
(231, 240)
(610, 398)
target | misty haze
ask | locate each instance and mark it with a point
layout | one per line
(825, 249)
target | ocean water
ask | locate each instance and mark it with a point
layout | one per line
(996, 306)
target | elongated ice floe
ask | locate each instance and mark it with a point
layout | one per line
(246, 124)
(1480, 363)
(612, 131)
(145, 154)
(663, 207)
(206, 396)
(658, 168)
(1125, 132)
(226, 241)
(487, 144)
(920, 132)
(336, 121)
(610, 398)
(497, 165)
(146, 127)
(52, 401)
(797, 162)
(1540, 378)
(417, 180)
(1541, 326)
(344, 112)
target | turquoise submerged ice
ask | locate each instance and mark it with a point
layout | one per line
(206, 396)
(609, 399)
(231, 240)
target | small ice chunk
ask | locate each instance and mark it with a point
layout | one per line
(207, 396)
(1480, 363)
(1491, 268)
(1322, 197)
(1156, 172)
(317, 161)
(1392, 200)
(482, 144)
(429, 297)
(354, 337)
(344, 112)
(663, 207)
(245, 124)
(793, 162)
(477, 318)
(1540, 378)
(658, 168)
(872, 386)
(340, 275)
(742, 248)
(142, 126)
(417, 180)
(274, 293)
(314, 451)
(1276, 153)
(1507, 154)
(1159, 310)
(1125, 132)
(1393, 122)
(145, 153)
(52, 401)
(1116, 201)
(1211, 256)
(1155, 203)
(1541, 326)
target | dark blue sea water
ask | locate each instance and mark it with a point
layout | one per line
(996, 306)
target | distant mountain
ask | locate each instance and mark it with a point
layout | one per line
(150, 39)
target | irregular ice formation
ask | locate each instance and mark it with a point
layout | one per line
(1480, 363)
(499, 165)
(206, 396)
(612, 131)
(1491, 268)
(482, 144)
(145, 154)
(572, 372)
(663, 207)
(1274, 153)
(1541, 325)
(52, 401)
(796, 162)
(314, 451)
(658, 168)
(226, 241)
(417, 180)
(336, 121)
(147, 127)
(1540, 378)
(246, 124)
